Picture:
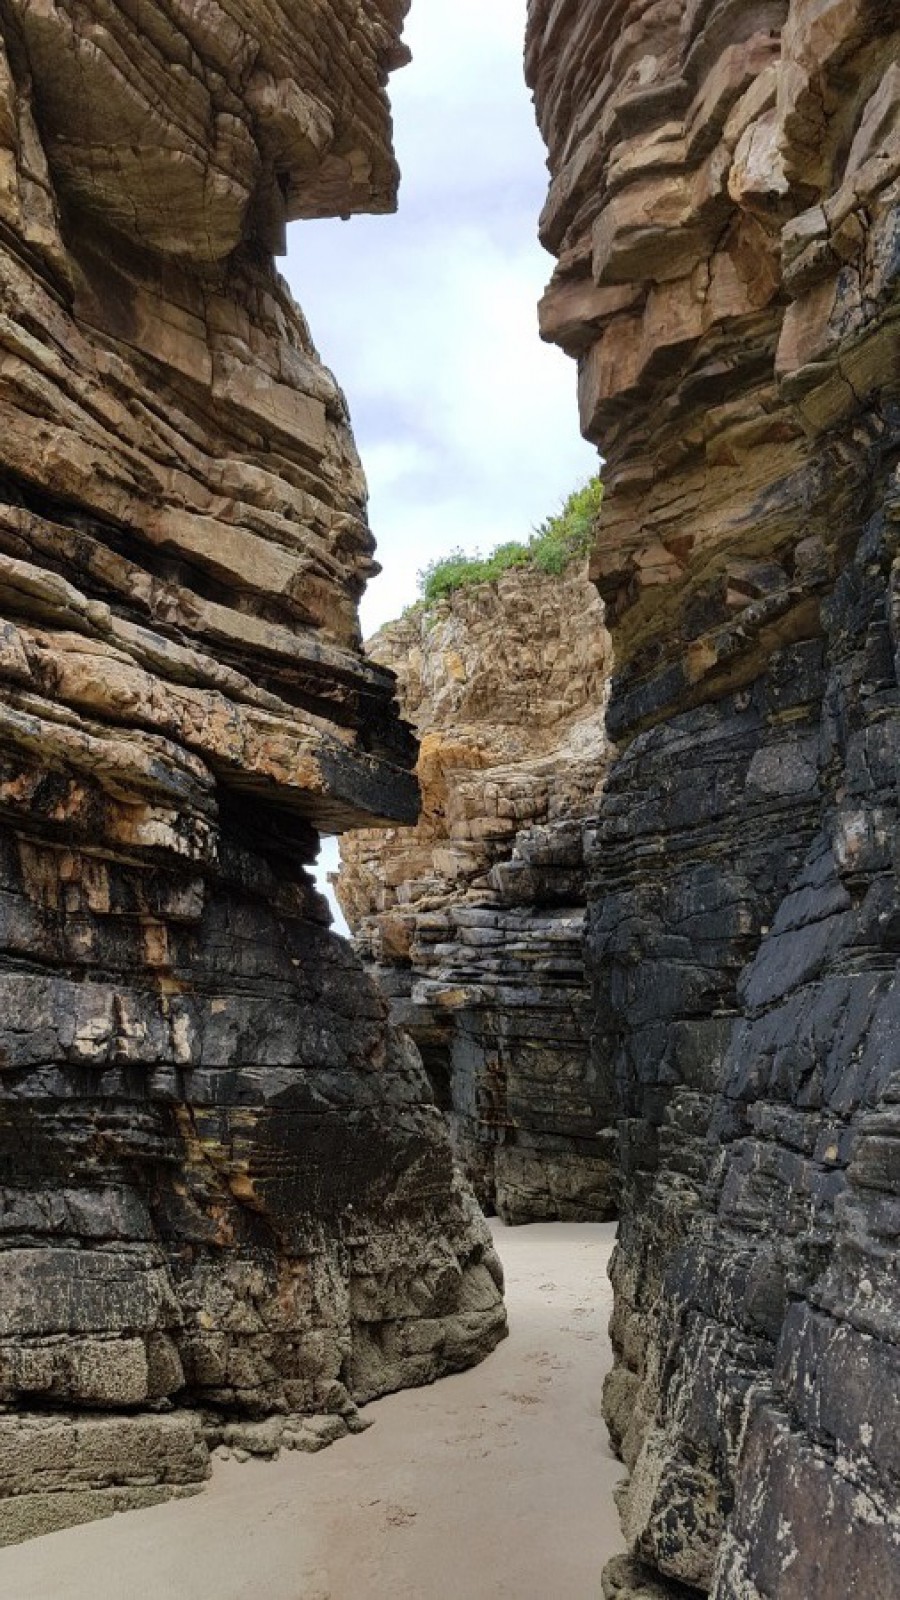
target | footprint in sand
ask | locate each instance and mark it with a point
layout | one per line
(400, 1516)
(315, 1586)
(522, 1399)
(543, 1358)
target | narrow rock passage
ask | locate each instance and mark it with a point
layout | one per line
(490, 1485)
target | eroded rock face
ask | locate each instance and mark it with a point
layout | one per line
(224, 1181)
(473, 921)
(724, 206)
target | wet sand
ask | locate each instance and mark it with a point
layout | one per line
(493, 1485)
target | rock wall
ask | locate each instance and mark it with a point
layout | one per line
(473, 921)
(225, 1190)
(724, 209)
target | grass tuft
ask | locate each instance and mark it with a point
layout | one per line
(553, 546)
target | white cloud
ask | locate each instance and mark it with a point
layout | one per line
(466, 423)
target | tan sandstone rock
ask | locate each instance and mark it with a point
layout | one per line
(473, 920)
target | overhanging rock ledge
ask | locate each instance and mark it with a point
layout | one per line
(225, 1191)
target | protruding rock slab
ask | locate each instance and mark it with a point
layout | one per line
(223, 1182)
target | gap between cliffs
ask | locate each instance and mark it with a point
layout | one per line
(495, 1483)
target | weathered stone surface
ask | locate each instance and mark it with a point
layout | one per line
(724, 205)
(223, 1180)
(474, 920)
(60, 1468)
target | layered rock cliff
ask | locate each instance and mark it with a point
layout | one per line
(724, 208)
(473, 921)
(225, 1186)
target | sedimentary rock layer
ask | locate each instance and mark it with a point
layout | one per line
(724, 207)
(474, 920)
(224, 1181)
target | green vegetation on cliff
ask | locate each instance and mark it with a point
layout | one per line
(558, 541)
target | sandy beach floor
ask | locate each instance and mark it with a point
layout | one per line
(493, 1485)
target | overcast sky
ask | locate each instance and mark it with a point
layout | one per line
(466, 423)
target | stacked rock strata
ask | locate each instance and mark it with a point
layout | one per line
(225, 1191)
(724, 208)
(473, 922)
